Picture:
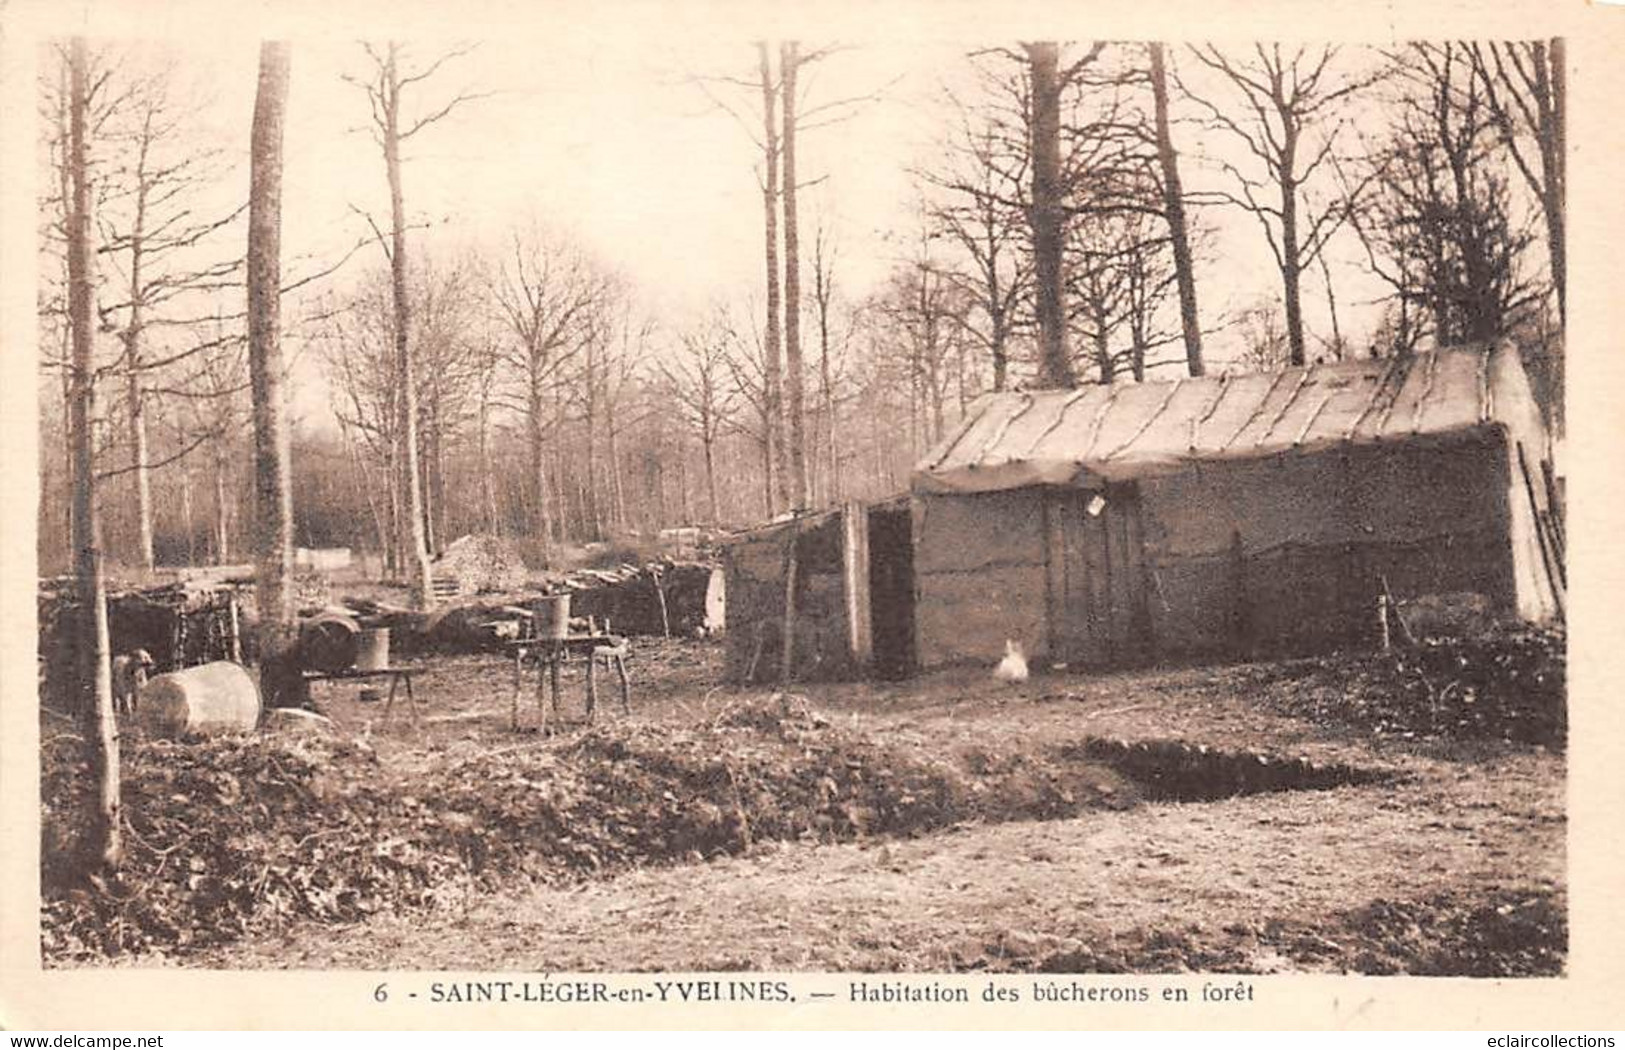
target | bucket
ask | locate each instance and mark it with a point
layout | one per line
(552, 616)
(212, 698)
(372, 654)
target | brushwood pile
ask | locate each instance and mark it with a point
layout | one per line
(234, 836)
(1506, 684)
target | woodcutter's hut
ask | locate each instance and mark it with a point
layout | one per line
(1233, 515)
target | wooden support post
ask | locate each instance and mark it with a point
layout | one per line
(855, 585)
(1055, 573)
(660, 594)
(592, 686)
(555, 658)
(787, 654)
(235, 641)
(518, 663)
(1554, 504)
(1394, 616)
(1240, 627)
(1554, 576)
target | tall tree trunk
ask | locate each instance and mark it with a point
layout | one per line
(591, 511)
(789, 60)
(617, 491)
(1048, 217)
(767, 479)
(103, 848)
(70, 390)
(711, 473)
(541, 520)
(139, 465)
(772, 387)
(685, 514)
(273, 501)
(1331, 305)
(431, 501)
(832, 481)
(187, 516)
(1173, 195)
(421, 582)
(132, 361)
(1554, 143)
(1291, 265)
(488, 492)
(222, 504)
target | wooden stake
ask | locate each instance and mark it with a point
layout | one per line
(236, 638)
(1405, 634)
(788, 653)
(1546, 559)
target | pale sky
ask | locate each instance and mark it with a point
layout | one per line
(607, 137)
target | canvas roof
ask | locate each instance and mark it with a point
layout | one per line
(1122, 431)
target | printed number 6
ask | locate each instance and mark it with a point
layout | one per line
(380, 994)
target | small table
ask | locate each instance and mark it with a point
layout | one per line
(550, 653)
(396, 676)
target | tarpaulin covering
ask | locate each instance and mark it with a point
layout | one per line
(1125, 431)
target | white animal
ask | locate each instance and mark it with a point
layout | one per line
(1013, 668)
(130, 673)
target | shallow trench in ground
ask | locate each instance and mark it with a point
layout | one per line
(1259, 882)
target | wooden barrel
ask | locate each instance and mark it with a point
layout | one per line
(329, 642)
(211, 698)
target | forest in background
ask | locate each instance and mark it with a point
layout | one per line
(1063, 232)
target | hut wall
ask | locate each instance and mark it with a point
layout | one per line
(1284, 554)
(755, 565)
(1289, 553)
(980, 575)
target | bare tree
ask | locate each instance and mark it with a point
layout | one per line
(1265, 346)
(1291, 130)
(976, 208)
(790, 60)
(1439, 225)
(157, 243)
(773, 412)
(546, 291)
(696, 379)
(1122, 275)
(836, 322)
(1524, 87)
(273, 501)
(920, 312)
(1047, 216)
(749, 368)
(103, 845)
(384, 88)
(1173, 195)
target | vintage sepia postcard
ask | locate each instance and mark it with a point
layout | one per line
(889, 515)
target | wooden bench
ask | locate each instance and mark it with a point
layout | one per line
(397, 676)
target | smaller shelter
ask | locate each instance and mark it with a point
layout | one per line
(836, 583)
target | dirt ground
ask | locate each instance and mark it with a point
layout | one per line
(1454, 864)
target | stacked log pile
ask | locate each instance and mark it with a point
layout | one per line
(659, 599)
(183, 623)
